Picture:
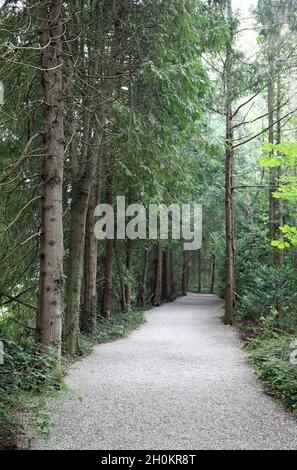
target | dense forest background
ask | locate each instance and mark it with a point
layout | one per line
(159, 101)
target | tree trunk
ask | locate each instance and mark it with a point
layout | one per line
(279, 254)
(143, 281)
(81, 193)
(213, 273)
(199, 272)
(167, 279)
(185, 273)
(121, 288)
(229, 280)
(272, 171)
(128, 288)
(229, 156)
(173, 280)
(49, 313)
(158, 283)
(89, 306)
(75, 268)
(107, 282)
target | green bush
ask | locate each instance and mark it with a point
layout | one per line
(119, 326)
(271, 357)
(26, 373)
(269, 292)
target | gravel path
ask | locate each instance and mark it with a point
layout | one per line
(180, 382)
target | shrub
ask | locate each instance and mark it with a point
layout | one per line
(119, 326)
(269, 292)
(271, 357)
(26, 372)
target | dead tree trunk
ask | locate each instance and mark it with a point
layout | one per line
(49, 313)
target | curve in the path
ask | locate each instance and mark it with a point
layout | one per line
(180, 382)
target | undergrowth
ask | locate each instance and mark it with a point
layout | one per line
(267, 321)
(119, 326)
(26, 373)
(275, 361)
(28, 377)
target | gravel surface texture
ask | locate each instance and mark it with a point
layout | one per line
(180, 382)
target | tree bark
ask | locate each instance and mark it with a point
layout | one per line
(121, 288)
(229, 280)
(185, 273)
(229, 157)
(213, 273)
(279, 254)
(89, 305)
(107, 282)
(158, 283)
(128, 288)
(199, 272)
(81, 193)
(49, 312)
(167, 279)
(143, 281)
(75, 267)
(272, 171)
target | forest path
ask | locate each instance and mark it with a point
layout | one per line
(180, 382)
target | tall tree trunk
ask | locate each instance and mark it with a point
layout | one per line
(158, 282)
(272, 171)
(107, 282)
(173, 283)
(167, 279)
(279, 254)
(229, 281)
(199, 272)
(49, 313)
(79, 209)
(128, 288)
(185, 273)
(81, 193)
(89, 305)
(143, 281)
(229, 156)
(121, 284)
(213, 273)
